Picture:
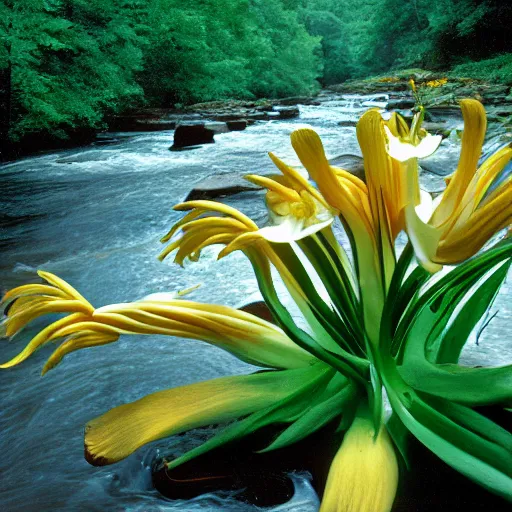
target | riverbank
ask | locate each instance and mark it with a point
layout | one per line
(440, 94)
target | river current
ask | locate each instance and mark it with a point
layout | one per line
(94, 216)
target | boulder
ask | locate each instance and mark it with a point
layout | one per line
(401, 103)
(351, 163)
(217, 127)
(220, 185)
(287, 112)
(444, 161)
(192, 134)
(347, 122)
(237, 125)
(259, 309)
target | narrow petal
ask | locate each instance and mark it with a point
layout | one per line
(124, 429)
(86, 340)
(310, 150)
(464, 242)
(247, 337)
(42, 338)
(214, 206)
(475, 124)
(364, 473)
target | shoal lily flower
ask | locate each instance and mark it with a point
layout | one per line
(371, 322)
(471, 210)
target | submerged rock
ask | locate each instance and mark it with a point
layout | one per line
(347, 122)
(261, 478)
(351, 163)
(220, 185)
(259, 309)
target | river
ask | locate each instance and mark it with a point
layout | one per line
(94, 216)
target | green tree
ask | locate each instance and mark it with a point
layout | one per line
(64, 63)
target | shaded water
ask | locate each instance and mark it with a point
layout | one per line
(94, 217)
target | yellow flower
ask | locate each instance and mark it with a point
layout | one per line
(351, 198)
(248, 337)
(476, 204)
(364, 473)
(436, 83)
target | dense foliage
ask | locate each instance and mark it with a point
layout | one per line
(64, 64)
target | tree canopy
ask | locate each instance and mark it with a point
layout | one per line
(65, 64)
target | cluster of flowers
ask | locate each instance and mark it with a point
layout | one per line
(373, 322)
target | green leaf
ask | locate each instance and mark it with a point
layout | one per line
(441, 295)
(338, 327)
(400, 436)
(315, 417)
(470, 386)
(452, 342)
(432, 311)
(286, 410)
(457, 439)
(349, 365)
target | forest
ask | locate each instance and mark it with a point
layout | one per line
(67, 64)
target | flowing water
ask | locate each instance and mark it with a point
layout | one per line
(94, 216)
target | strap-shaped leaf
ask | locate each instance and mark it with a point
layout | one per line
(316, 417)
(470, 386)
(457, 438)
(283, 411)
(433, 310)
(457, 283)
(330, 321)
(453, 340)
(348, 364)
(400, 435)
(336, 281)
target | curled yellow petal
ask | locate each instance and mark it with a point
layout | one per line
(475, 124)
(214, 206)
(86, 340)
(364, 473)
(65, 287)
(42, 338)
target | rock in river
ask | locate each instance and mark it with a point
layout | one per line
(351, 163)
(192, 134)
(218, 185)
(237, 125)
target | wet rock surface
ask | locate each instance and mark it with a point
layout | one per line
(192, 134)
(261, 479)
(220, 185)
(223, 111)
